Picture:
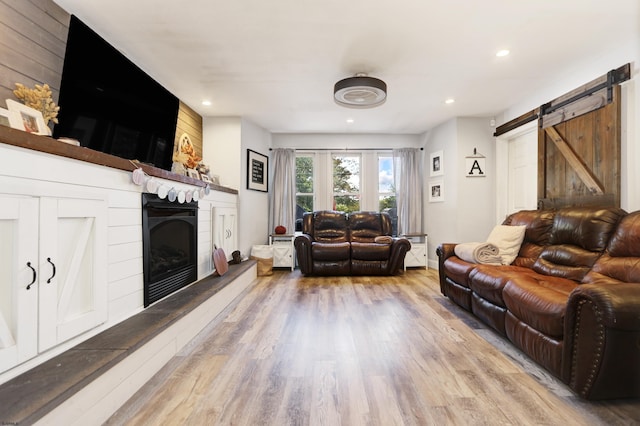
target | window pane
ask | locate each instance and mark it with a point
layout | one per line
(304, 203)
(385, 175)
(346, 203)
(304, 175)
(388, 205)
(346, 175)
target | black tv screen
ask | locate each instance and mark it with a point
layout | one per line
(109, 104)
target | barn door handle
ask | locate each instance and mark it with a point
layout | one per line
(54, 270)
(34, 275)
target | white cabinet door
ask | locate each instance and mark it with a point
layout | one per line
(282, 255)
(18, 280)
(73, 268)
(417, 256)
(224, 229)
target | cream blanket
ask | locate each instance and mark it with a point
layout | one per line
(479, 253)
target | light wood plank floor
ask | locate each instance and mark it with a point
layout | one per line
(357, 351)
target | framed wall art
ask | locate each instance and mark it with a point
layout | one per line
(26, 118)
(193, 173)
(436, 164)
(257, 171)
(436, 191)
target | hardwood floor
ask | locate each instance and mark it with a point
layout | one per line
(357, 351)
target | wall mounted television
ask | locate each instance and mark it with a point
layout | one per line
(109, 104)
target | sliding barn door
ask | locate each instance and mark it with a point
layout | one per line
(579, 152)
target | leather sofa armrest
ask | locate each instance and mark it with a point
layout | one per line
(602, 338)
(399, 249)
(618, 304)
(444, 251)
(302, 245)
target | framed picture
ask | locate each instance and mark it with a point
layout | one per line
(193, 173)
(436, 191)
(205, 178)
(257, 171)
(436, 164)
(5, 117)
(215, 179)
(26, 118)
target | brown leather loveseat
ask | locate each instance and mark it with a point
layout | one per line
(570, 300)
(337, 243)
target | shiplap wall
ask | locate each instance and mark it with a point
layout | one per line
(33, 37)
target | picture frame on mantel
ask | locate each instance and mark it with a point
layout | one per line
(257, 171)
(6, 117)
(26, 118)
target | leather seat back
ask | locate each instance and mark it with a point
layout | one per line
(578, 238)
(366, 226)
(326, 226)
(539, 224)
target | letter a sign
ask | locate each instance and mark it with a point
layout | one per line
(475, 166)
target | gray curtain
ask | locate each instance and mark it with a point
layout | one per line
(407, 166)
(283, 198)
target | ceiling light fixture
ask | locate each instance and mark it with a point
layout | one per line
(206, 103)
(501, 53)
(449, 101)
(360, 91)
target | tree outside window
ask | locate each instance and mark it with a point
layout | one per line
(346, 183)
(304, 187)
(387, 189)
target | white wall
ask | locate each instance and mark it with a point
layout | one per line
(221, 144)
(224, 148)
(344, 140)
(467, 212)
(253, 213)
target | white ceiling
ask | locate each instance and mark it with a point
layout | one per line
(275, 61)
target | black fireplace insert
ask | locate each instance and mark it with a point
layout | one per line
(170, 246)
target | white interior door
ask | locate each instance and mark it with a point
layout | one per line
(523, 172)
(517, 170)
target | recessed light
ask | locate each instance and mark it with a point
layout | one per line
(350, 120)
(449, 101)
(206, 103)
(501, 53)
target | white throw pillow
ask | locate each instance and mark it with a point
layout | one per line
(508, 239)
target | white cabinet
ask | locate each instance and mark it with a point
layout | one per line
(224, 229)
(53, 272)
(283, 251)
(417, 256)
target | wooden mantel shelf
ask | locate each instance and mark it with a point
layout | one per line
(49, 145)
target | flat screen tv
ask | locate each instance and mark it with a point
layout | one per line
(109, 104)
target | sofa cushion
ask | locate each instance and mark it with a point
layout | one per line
(458, 270)
(508, 239)
(536, 236)
(366, 226)
(487, 281)
(565, 261)
(585, 227)
(539, 301)
(621, 262)
(326, 226)
(370, 251)
(330, 251)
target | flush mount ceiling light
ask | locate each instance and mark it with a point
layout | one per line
(360, 91)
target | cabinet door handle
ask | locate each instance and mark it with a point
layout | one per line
(54, 270)
(34, 275)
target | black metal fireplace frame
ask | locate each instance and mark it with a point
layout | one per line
(159, 286)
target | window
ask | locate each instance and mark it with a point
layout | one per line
(304, 187)
(346, 183)
(387, 189)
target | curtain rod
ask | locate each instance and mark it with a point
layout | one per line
(344, 149)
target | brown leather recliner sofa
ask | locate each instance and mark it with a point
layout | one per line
(570, 300)
(337, 243)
